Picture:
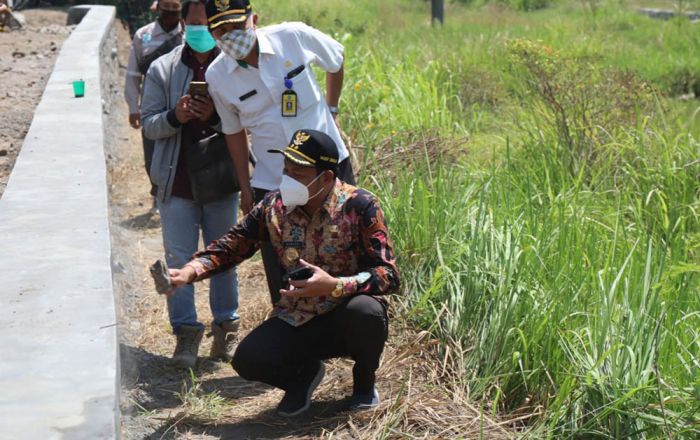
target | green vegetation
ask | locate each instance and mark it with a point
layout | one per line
(541, 183)
(197, 405)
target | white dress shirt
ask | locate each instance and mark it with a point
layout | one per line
(251, 98)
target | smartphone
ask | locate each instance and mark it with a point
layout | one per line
(161, 276)
(199, 88)
(300, 273)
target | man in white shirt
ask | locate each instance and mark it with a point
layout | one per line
(263, 83)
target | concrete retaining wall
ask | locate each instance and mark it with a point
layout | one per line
(58, 340)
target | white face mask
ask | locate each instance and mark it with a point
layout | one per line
(295, 193)
(237, 43)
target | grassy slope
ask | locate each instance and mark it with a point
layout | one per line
(403, 75)
(573, 294)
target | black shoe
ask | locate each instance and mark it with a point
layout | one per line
(362, 402)
(298, 400)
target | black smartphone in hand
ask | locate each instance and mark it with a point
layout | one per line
(300, 273)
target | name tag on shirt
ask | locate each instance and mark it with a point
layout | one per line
(289, 104)
(293, 244)
(289, 97)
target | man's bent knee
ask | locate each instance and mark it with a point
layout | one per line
(365, 315)
(245, 361)
(364, 307)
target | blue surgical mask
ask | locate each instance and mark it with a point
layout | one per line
(199, 38)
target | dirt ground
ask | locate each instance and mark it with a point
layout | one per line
(27, 57)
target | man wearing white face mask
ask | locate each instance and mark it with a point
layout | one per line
(263, 83)
(332, 240)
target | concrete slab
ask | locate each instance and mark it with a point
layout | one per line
(59, 361)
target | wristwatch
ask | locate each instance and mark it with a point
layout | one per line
(333, 109)
(338, 290)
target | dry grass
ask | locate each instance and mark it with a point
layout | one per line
(403, 152)
(420, 399)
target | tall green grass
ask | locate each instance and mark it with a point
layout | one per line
(402, 74)
(569, 280)
(579, 301)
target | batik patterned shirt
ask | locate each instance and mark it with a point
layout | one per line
(347, 237)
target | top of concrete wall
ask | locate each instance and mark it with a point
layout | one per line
(58, 370)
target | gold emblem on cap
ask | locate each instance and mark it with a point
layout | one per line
(221, 5)
(287, 64)
(291, 255)
(300, 138)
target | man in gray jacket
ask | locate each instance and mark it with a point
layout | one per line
(176, 122)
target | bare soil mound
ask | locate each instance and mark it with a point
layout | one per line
(27, 57)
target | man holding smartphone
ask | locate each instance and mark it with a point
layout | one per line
(332, 240)
(263, 83)
(177, 114)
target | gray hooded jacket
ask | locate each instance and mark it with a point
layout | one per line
(167, 81)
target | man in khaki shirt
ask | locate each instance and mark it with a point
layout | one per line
(150, 42)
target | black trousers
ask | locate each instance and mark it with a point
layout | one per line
(148, 147)
(282, 355)
(273, 269)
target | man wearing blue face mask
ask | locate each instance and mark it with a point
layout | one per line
(177, 122)
(264, 83)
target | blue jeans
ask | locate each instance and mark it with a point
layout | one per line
(181, 221)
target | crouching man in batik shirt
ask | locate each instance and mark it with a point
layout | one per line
(337, 232)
